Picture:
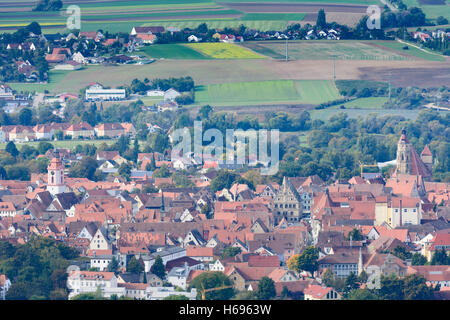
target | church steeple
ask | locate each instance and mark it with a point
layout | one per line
(55, 171)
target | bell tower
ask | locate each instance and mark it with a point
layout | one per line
(55, 171)
(404, 154)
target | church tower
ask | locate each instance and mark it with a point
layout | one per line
(55, 171)
(403, 154)
(408, 160)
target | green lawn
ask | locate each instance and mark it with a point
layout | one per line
(323, 50)
(266, 92)
(411, 51)
(172, 51)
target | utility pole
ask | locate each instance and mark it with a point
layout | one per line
(389, 82)
(334, 68)
(287, 56)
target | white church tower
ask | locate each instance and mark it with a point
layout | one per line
(55, 183)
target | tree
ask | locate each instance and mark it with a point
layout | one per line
(321, 19)
(162, 172)
(34, 27)
(355, 235)
(307, 261)
(125, 170)
(351, 283)
(11, 149)
(266, 289)
(135, 265)
(415, 288)
(176, 297)
(43, 147)
(418, 260)
(440, 257)
(113, 266)
(205, 112)
(361, 294)
(230, 252)
(25, 116)
(224, 179)
(158, 268)
(86, 168)
(391, 288)
(400, 252)
(209, 280)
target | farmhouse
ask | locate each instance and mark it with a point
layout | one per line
(147, 30)
(146, 38)
(68, 65)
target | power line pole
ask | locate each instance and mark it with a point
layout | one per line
(334, 68)
(287, 56)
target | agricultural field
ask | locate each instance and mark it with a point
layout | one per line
(324, 50)
(412, 51)
(172, 51)
(324, 114)
(432, 8)
(224, 51)
(55, 76)
(266, 92)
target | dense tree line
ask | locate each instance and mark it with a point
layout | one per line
(37, 269)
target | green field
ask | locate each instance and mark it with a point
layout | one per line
(366, 103)
(273, 16)
(224, 51)
(55, 77)
(411, 51)
(323, 50)
(172, 51)
(266, 92)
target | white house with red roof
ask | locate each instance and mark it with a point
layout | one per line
(317, 292)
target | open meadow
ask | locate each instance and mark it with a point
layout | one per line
(267, 92)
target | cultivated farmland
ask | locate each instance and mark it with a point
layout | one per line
(324, 50)
(224, 51)
(266, 92)
(172, 51)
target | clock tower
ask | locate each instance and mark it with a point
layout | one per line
(55, 183)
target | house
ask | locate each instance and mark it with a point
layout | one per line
(111, 130)
(69, 65)
(171, 94)
(100, 241)
(78, 57)
(88, 281)
(96, 92)
(203, 254)
(146, 38)
(5, 284)
(436, 275)
(194, 38)
(178, 276)
(78, 130)
(6, 92)
(148, 30)
(378, 264)
(317, 292)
